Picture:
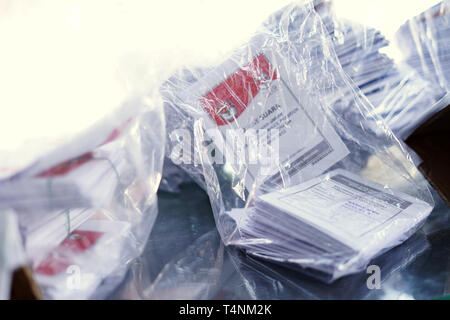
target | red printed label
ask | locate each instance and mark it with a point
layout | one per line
(69, 165)
(59, 260)
(66, 167)
(226, 102)
(117, 132)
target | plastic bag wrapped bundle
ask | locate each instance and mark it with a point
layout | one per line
(81, 153)
(398, 93)
(401, 96)
(90, 241)
(406, 101)
(92, 212)
(265, 280)
(291, 178)
(356, 46)
(425, 42)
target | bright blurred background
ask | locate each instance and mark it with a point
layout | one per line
(65, 64)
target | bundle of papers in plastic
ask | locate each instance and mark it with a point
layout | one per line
(333, 189)
(328, 223)
(425, 42)
(63, 189)
(400, 95)
(68, 175)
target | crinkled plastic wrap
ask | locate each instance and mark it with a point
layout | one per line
(291, 178)
(79, 248)
(357, 47)
(425, 43)
(185, 259)
(266, 281)
(407, 101)
(401, 97)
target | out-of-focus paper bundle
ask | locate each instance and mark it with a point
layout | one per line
(400, 95)
(81, 143)
(338, 216)
(402, 98)
(82, 219)
(425, 42)
(90, 254)
(70, 175)
(356, 46)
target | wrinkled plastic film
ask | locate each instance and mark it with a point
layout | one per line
(296, 65)
(424, 41)
(101, 237)
(400, 95)
(87, 205)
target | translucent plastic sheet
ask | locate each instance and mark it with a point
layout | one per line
(82, 144)
(184, 259)
(74, 245)
(407, 101)
(264, 130)
(401, 97)
(424, 41)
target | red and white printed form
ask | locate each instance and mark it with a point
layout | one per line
(257, 92)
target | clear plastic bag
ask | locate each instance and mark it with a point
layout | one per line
(172, 177)
(83, 137)
(266, 281)
(425, 43)
(12, 255)
(78, 247)
(401, 97)
(196, 266)
(406, 102)
(291, 178)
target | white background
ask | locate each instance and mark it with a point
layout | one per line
(64, 64)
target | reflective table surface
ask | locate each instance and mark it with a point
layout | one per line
(185, 259)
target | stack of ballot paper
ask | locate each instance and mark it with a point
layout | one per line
(88, 180)
(406, 102)
(328, 222)
(44, 232)
(71, 270)
(303, 197)
(398, 93)
(50, 192)
(425, 41)
(64, 173)
(56, 194)
(357, 47)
